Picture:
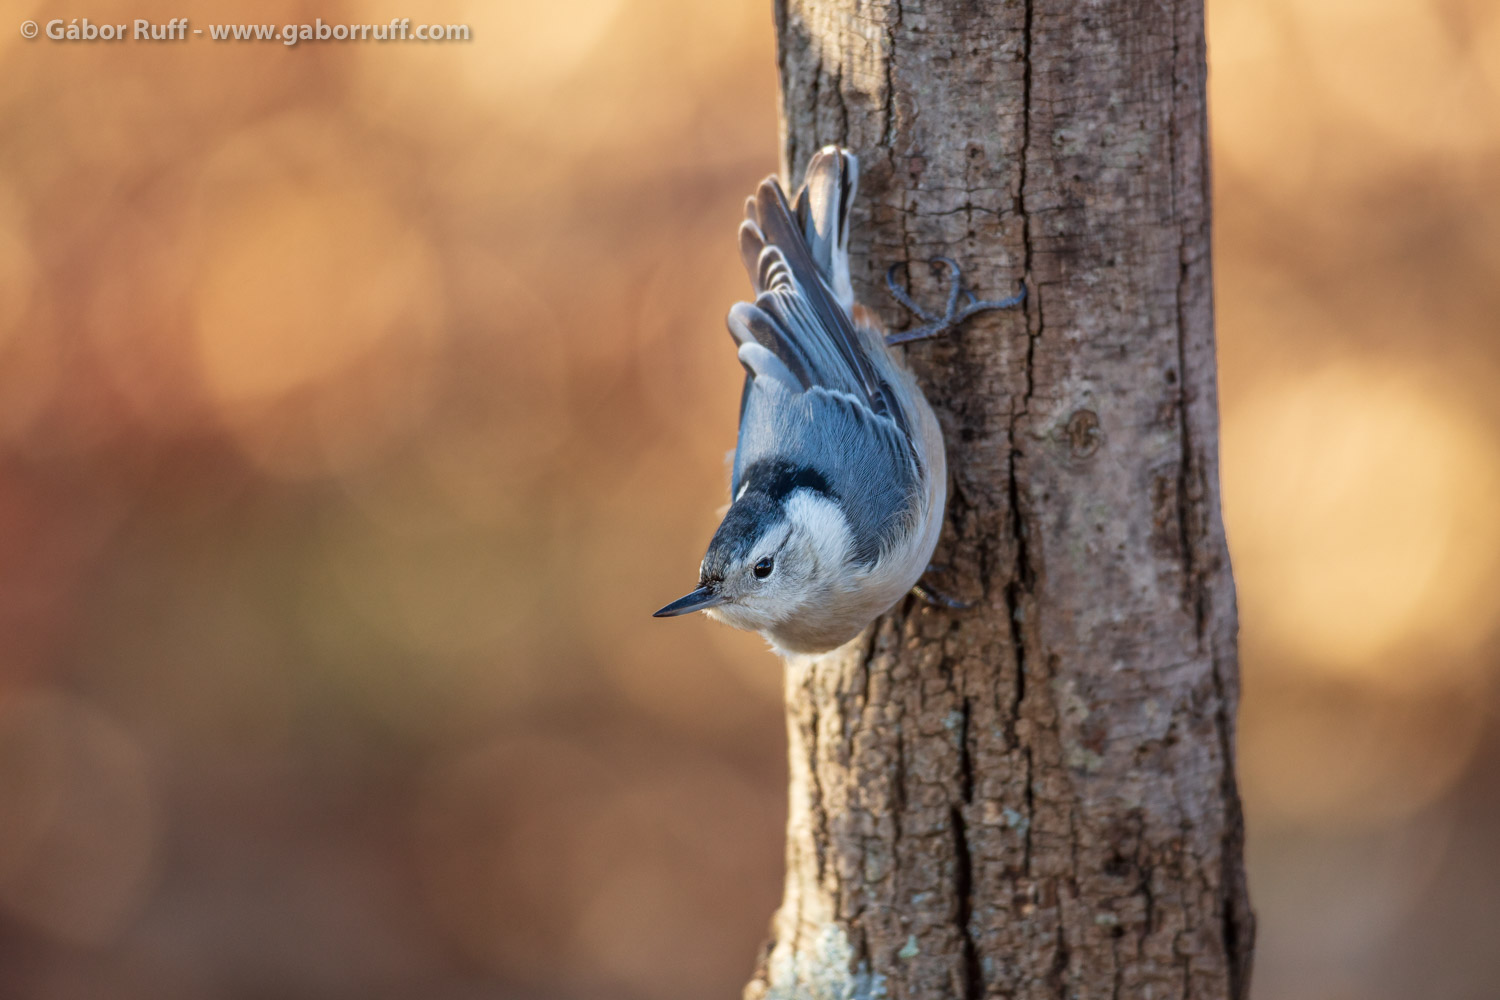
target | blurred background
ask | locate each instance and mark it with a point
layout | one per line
(315, 676)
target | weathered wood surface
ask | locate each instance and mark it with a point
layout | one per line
(1035, 797)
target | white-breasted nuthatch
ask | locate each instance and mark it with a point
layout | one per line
(839, 477)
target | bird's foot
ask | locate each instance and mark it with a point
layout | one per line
(936, 598)
(933, 324)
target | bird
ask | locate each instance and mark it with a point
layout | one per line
(839, 477)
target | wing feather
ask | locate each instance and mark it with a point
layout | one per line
(875, 477)
(813, 396)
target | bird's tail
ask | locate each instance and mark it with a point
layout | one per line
(821, 209)
(800, 329)
(822, 206)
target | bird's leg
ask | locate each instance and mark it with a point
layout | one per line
(935, 597)
(935, 325)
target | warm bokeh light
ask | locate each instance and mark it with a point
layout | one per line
(1346, 758)
(309, 283)
(80, 826)
(359, 402)
(17, 269)
(1363, 509)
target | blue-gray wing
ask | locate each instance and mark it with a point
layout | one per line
(813, 397)
(865, 458)
(798, 261)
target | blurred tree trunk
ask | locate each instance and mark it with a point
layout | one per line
(1035, 797)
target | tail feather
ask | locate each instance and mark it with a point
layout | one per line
(798, 261)
(820, 212)
(822, 208)
(752, 242)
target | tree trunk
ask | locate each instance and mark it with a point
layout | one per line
(1034, 797)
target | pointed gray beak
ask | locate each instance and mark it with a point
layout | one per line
(699, 600)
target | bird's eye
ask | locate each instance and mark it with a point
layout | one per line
(763, 568)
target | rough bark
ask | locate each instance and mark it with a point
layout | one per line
(1035, 797)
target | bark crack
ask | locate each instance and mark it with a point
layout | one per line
(1058, 975)
(815, 805)
(888, 127)
(1030, 801)
(788, 132)
(838, 91)
(1238, 922)
(1024, 576)
(965, 759)
(1020, 588)
(816, 102)
(1186, 464)
(973, 980)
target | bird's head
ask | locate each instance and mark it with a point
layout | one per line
(773, 558)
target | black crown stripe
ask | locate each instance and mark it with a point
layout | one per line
(777, 478)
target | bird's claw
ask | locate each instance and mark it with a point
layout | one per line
(900, 295)
(937, 599)
(934, 325)
(934, 597)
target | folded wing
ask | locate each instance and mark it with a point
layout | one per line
(813, 396)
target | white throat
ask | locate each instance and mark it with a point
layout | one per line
(820, 520)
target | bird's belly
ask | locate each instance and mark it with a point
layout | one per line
(845, 614)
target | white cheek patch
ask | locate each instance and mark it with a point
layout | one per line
(825, 526)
